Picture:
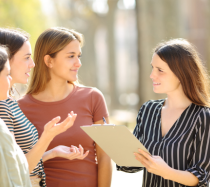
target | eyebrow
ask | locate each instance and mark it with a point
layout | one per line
(27, 54)
(156, 67)
(73, 53)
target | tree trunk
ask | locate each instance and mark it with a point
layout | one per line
(110, 23)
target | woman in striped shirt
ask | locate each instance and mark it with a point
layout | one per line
(25, 133)
(13, 163)
(175, 130)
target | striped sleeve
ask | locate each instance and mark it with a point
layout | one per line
(200, 163)
(6, 115)
(138, 135)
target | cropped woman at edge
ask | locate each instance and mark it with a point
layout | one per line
(24, 131)
(54, 85)
(175, 130)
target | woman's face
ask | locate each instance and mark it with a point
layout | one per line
(21, 64)
(5, 79)
(164, 80)
(66, 63)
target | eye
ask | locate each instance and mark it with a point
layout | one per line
(80, 56)
(72, 56)
(160, 70)
(27, 58)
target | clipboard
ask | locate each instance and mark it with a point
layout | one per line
(117, 141)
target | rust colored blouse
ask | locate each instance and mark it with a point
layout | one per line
(89, 105)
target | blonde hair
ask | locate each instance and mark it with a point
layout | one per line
(50, 42)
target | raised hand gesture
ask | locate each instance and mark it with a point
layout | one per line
(53, 128)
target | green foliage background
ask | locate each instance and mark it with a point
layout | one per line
(24, 14)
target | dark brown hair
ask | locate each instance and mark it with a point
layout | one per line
(13, 39)
(184, 62)
(3, 57)
(50, 42)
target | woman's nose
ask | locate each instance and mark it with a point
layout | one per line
(78, 63)
(152, 75)
(32, 64)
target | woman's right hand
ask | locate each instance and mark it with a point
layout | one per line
(70, 153)
(53, 128)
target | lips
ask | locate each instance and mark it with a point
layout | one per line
(27, 74)
(75, 70)
(155, 83)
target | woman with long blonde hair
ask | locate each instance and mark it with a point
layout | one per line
(54, 90)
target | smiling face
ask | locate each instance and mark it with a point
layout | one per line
(21, 64)
(164, 80)
(5, 80)
(66, 63)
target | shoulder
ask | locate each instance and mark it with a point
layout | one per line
(150, 107)
(88, 90)
(204, 112)
(152, 104)
(5, 105)
(24, 99)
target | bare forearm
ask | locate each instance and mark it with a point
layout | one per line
(182, 177)
(47, 155)
(36, 153)
(104, 172)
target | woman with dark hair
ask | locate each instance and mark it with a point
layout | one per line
(175, 130)
(13, 163)
(54, 88)
(24, 131)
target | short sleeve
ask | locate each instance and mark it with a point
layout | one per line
(6, 115)
(99, 108)
(138, 135)
(200, 163)
(13, 164)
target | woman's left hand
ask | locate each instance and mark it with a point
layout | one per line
(153, 164)
(69, 152)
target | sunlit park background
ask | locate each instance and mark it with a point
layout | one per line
(119, 38)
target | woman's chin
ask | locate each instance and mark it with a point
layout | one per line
(158, 91)
(73, 79)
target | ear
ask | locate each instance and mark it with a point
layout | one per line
(47, 61)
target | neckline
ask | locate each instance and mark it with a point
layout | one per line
(53, 102)
(174, 124)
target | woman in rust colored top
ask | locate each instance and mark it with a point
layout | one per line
(53, 91)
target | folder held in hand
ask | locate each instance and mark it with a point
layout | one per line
(117, 141)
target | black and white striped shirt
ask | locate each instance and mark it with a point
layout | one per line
(25, 132)
(185, 147)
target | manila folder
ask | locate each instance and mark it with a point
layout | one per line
(118, 142)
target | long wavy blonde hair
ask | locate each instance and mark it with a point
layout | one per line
(50, 42)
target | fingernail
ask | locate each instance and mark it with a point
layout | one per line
(139, 150)
(134, 153)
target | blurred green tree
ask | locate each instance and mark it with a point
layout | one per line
(23, 14)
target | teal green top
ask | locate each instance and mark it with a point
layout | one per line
(14, 170)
